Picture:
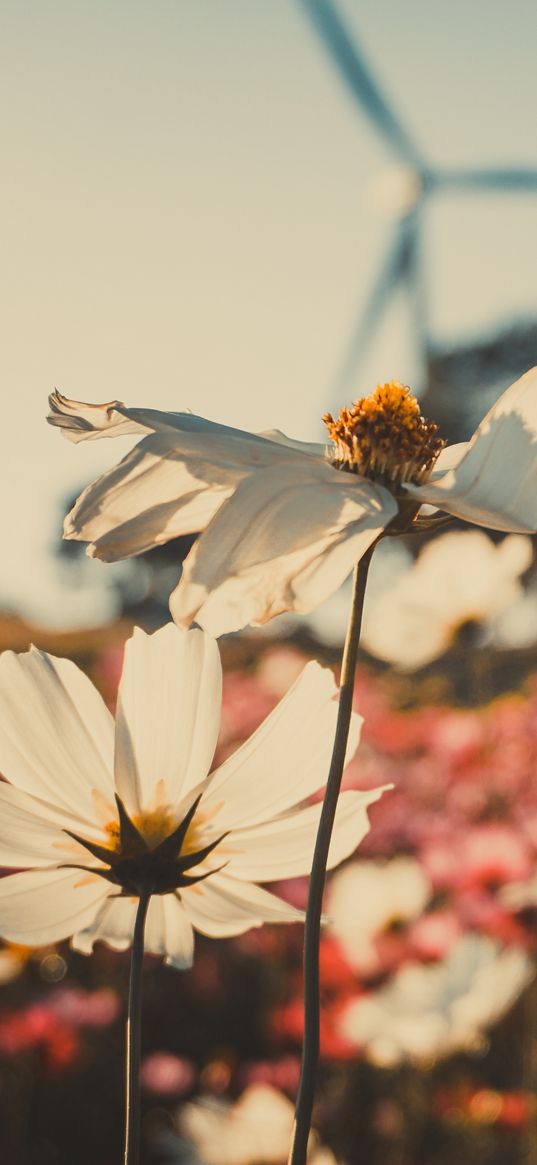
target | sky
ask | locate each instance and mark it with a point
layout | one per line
(192, 219)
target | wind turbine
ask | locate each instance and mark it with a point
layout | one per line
(402, 265)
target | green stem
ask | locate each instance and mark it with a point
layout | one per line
(312, 930)
(134, 1031)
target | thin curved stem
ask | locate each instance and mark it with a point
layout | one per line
(312, 930)
(134, 1032)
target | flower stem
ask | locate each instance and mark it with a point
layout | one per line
(134, 1031)
(312, 930)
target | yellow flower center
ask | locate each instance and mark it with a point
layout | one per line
(385, 438)
(153, 826)
(153, 850)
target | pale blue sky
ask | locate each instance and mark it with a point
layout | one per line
(189, 220)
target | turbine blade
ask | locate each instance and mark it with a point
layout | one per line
(491, 179)
(360, 80)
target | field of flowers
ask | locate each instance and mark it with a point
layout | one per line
(429, 1017)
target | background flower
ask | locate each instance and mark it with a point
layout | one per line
(257, 1128)
(427, 1012)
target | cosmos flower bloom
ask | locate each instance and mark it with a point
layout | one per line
(284, 521)
(95, 818)
(460, 584)
(368, 899)
(256, 1128)
(426, 1012)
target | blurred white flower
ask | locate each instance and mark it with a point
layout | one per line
(96, 820)
(366, 898)
(256, 1129)
(461, 579)
(519, 895)
(427, 1012)
(328, 623)
(284, 521)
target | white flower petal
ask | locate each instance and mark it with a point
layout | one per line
(154, 494)
(79, 421)
(222, 906)
(168, 715)
(171, 483)
(44, 906)
(113, 924)
(284, 848)
(285, 760)
(495, 483)
(168, 931)
(285, 540)
(312, 448)
(32, 833)
(448, 458)
(179, 935)
(56, 736)
(83, 421)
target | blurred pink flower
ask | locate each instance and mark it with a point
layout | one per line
(166, 1074)
(87, 1008)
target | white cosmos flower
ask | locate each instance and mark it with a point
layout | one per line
(426, 1012)
(282, 524)
(257, 1128)
(459, 580)
(94, 815)
(366, 898)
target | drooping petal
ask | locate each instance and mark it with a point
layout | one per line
(80, 421)
(168, 716)
(56, 734)
(495, 482)
(222, 906)
(168, 931)
(171, 483)
(45, 906)
(285, 760)
(284, 541)
(284, 848)
(179, 935)
(113, 924)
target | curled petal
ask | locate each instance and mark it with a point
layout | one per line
(168, 716)
(79, 421)
(285, 541)
(495, 483)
